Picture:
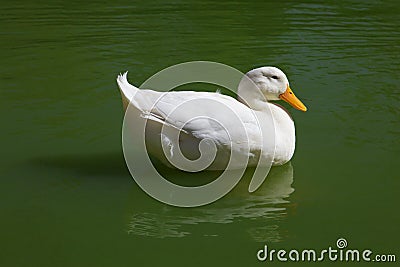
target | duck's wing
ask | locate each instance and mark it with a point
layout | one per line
(207, 115)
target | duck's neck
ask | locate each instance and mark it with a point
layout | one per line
(251, 95)
(263, 105)
(255, 103)
(282, 108)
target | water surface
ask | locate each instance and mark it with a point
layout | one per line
(67, 198)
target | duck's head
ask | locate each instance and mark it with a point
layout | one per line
(266, 84)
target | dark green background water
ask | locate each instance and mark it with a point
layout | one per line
(67, 198)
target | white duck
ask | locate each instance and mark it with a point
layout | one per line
(196, 121)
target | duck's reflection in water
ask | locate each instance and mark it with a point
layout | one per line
(268, 205)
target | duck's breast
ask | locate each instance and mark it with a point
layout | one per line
(285, 135)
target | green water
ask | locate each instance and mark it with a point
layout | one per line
(67, 198)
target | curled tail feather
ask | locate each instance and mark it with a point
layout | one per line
(128, 91)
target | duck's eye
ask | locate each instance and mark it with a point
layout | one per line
(275, 77)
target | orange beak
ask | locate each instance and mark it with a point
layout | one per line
(289, 97)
